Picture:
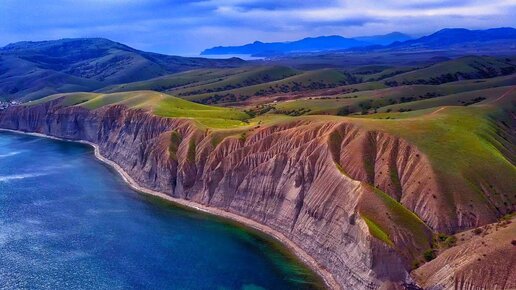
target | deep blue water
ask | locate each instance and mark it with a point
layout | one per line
(69, 222)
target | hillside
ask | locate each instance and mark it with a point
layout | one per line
(262, 84)
(239, 85)
(157, 103)
(30, 70)
(470, 67)
(397, 185)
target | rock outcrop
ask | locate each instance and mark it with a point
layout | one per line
(484, 258)
(357, 201)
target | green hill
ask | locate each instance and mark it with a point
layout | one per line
(301, 82)
(470, 67)
(403, 97)
(159, 104)
(31, 70)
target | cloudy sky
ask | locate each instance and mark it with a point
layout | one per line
(186, 27)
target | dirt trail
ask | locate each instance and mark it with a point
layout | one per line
(505, 94)
(438, 110)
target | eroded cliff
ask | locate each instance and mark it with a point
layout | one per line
(362, 203)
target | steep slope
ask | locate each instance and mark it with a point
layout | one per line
(363, 197)
(482, 259)
(302, 194)
(87, 64)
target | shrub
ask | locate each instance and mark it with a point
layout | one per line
(344, 111)
(429, 255)
(477, 231)
(450, 241)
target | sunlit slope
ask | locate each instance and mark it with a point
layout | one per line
(208, 80)
(472, 150)
(409, 97)
(302, 82)
(470, 67)
(178, 80)
(219, 86)
(159, 104)
(255, 76)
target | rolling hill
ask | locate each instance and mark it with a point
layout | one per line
(266, 83)
(157, 103)
(469, 67)
(29, 70)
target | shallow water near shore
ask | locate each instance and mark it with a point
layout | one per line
(69, 222)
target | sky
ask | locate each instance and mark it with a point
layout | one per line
(186, 27)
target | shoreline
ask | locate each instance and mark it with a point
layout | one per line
(305, 258)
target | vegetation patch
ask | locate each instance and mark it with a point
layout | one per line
(175, 141)
(192, 148)
(376, 231)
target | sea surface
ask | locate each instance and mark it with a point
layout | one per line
(69, 222)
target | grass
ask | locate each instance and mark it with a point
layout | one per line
(308, 80)
(177, 80)
(395, 225)
(414, 97)
(376, 231)
(159, 104)
(192, 148)
(465, 149)
(471, 67)
(254, 76)
(175, 140)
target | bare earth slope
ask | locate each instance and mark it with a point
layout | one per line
(358, 200)
(480, 261)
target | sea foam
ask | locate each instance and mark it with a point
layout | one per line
(6, 178)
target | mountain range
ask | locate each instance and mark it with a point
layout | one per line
(309, 44)
(449, 38)
(30, 70)
(35, 69)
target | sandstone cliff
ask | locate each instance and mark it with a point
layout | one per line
(356, 200)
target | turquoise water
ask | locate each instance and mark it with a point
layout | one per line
(69, 222)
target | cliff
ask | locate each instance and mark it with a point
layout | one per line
(358, 201)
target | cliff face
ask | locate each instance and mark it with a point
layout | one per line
(306, 179)
(484, 258)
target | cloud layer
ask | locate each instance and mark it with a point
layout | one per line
(188, 26)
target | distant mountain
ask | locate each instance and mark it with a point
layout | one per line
(310, 44)
(30, 70)
(450, 37)
(469, 41)
(385, 39)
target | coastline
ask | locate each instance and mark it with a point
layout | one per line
(299, 253)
